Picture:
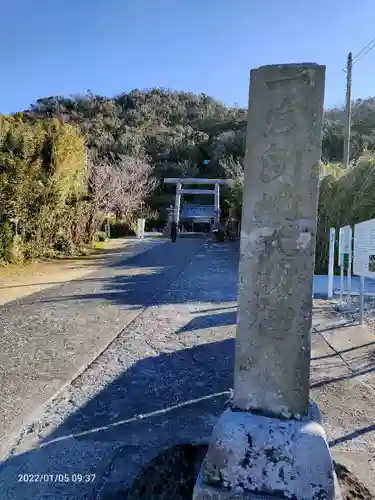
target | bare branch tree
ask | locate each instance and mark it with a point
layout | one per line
(186, 169)
(233, 169)
(121, 186)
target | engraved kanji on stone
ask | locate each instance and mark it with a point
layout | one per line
(282, 118)
(273, 163)
(287, 239)
(284, 202)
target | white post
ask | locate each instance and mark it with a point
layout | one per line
(362, 300)
(349, 271)
(331, 261)
(177, 202)
(341, 283)
(143, 224)
(217, 204)
(341, 262)
(139, 228)
(108, 226)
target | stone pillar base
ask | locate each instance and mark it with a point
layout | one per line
(254, 457)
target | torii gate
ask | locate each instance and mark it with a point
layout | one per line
(180, 191)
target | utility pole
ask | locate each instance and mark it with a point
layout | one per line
(349, 66)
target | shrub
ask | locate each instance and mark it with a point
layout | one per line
(6, 239)
(121, 229)
(100, 236)
(64, 244)
(16, 250)
(42, 180)
(345, 197)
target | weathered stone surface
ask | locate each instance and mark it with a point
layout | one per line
(268, 456)
(269, 443)
(278, 239)
(207, 492)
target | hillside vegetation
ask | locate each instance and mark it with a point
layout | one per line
(66, 160)
(172, 131)
(362, 130)
(42, 188)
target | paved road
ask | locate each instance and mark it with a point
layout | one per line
(179, 349)
(166, 377)
(47, 337)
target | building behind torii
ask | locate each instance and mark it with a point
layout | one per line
(202, 212)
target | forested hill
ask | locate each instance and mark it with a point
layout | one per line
(175, 130)
(132, 139)
(362, 130)
(173, 127)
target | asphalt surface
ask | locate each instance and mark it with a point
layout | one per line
(167, 376)
(47, 337)
(177, 351)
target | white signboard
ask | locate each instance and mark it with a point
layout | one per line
(364, 249)
(345, 243)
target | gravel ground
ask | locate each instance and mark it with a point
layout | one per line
(161, 384)
(173, 474)
(48, 337)
(350, 310)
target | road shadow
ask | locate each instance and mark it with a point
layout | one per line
(210, 321)
(110, 259)
(322, 307)
(144, 406)
(357, 373)
(62, 328)
(352, 435)
(151, 405)
(218, 309)
(345, 351)
(190, 381)
(337, 326)
(145, 279)
(52, 283)
(99, 257)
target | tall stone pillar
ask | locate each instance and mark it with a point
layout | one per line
(217, 204)
(177, 202)
(270, 440)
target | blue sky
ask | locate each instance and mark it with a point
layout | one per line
(112, 46)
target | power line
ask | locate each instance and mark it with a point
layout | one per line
(366, 52)
(363, 49)
(350, 62)
(361, 54)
